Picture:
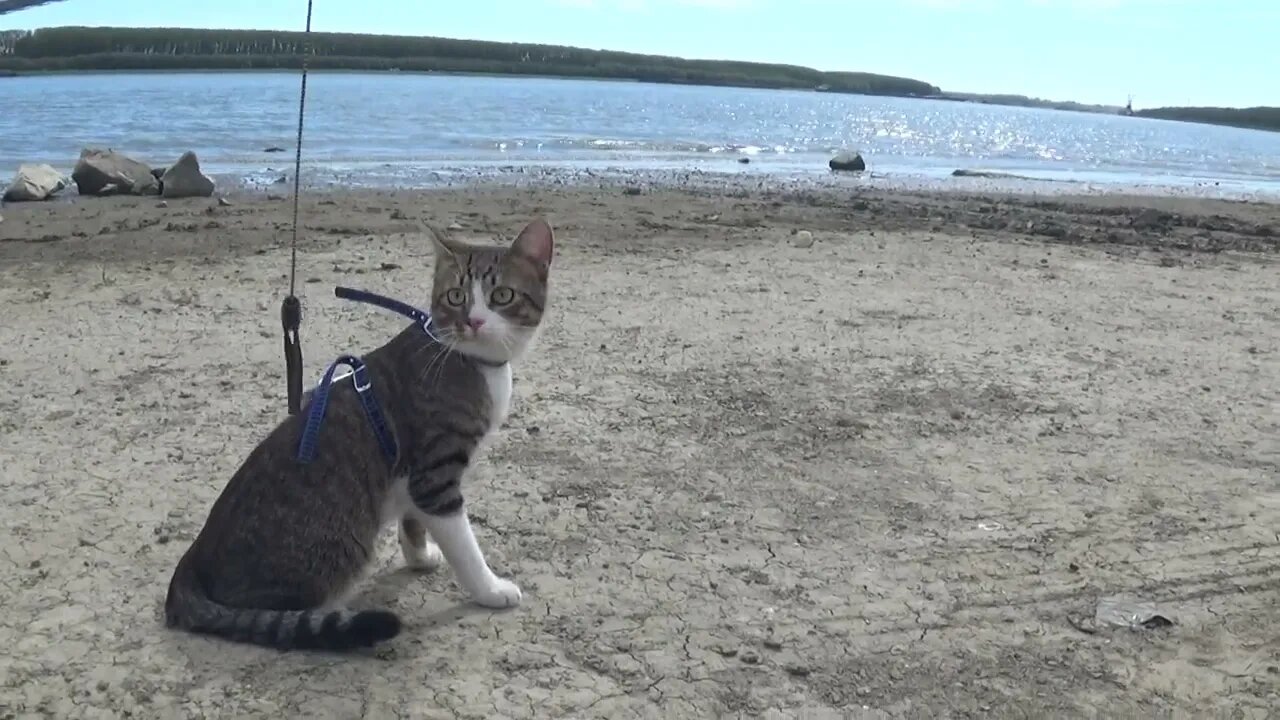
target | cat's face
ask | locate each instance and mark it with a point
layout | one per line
(488, 301)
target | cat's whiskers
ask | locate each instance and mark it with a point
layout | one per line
(438, 366)
(442, 351)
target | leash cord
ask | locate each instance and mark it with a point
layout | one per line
(291, 307)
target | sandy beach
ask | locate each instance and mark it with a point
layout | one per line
(831, 453)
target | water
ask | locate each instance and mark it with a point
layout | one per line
(404, 129)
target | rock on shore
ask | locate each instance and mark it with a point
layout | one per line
(35, 182)
(107, 172)
(848, 161)
(184, 179)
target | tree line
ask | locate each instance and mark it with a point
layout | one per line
(83, 48)
(1255, 118)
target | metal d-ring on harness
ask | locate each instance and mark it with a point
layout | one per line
(320, 401)
(360, 379)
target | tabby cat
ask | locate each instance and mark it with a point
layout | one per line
(286, 542)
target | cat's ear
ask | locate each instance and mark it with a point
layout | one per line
(441, 243)
(536, 242)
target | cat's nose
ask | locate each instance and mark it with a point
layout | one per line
(475, 323)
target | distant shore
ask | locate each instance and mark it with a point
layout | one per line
(80, 49)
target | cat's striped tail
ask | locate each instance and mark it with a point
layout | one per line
(189, 608)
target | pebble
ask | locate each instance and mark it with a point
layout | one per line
(455, 226)
(224, 202)
(803, 239)
(162, 204)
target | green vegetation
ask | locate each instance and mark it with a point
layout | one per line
(1024, 101)
(1256, 118)
(82, 48)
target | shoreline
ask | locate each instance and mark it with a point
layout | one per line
(739, 182)
(983, 208)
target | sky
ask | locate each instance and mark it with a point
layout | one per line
(1162, 52)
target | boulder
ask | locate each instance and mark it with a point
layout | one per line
(98, 169)
(848, 161)
(184, 179)
(35, 182)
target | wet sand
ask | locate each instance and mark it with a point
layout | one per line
(890, 473)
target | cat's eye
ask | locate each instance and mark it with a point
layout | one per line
(455, 297)
(502, 296)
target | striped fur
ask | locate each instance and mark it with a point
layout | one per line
(285, 542)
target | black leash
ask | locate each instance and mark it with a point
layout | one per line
(291, 307)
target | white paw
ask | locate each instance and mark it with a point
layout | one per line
(427, 559)
(500, 594)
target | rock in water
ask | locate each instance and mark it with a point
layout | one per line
(848, 161)
(184, 179)
(34, 182)
(98, 169)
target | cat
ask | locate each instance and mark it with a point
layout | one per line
(286, 542)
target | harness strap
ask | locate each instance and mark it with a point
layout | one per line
(368, 399)
(421, 317)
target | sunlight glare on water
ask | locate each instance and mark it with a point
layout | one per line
(419, 122)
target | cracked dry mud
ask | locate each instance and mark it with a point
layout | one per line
(888, 475)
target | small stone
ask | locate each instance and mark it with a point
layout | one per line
(631, 191)
(848, 161)
(389, 266)
(773, 644)
(798, 670)
(455, 226)
(744, 161)
(223, 202)
(750, 657)
(803, 239)
(398, 214)
(162, 204)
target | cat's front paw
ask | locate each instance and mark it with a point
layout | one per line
(500, 594)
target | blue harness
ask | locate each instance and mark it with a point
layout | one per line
(360, 379)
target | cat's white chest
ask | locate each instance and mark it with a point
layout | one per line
(498, 380)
